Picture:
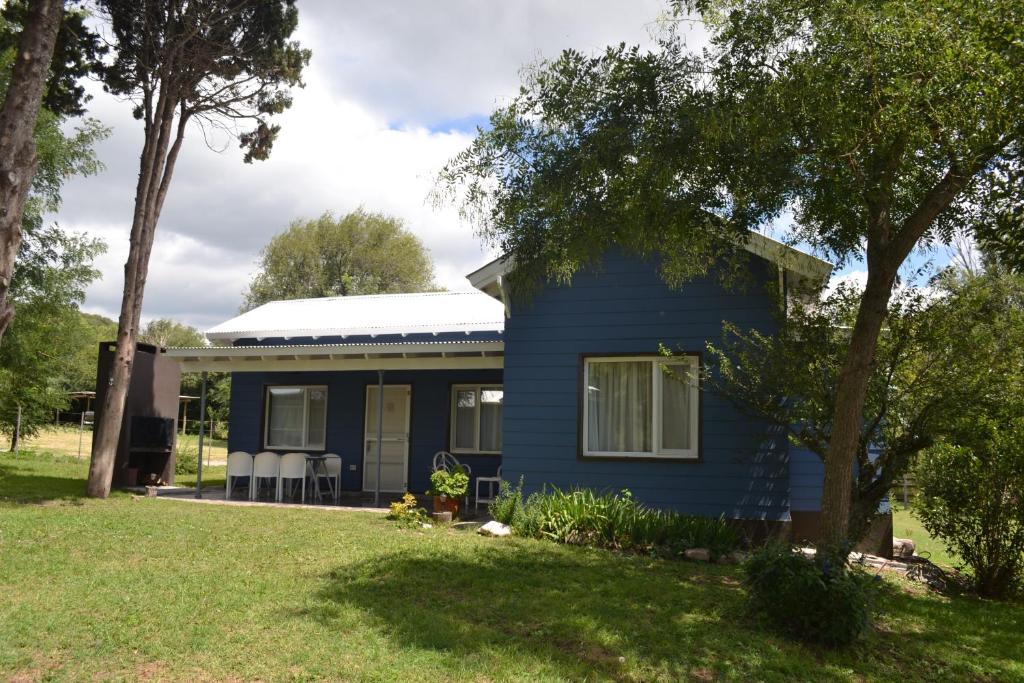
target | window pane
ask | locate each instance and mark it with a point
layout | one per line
(465, 417)
(285, 411)
(317, 418)
(619, 402)
(490, 418)
(676, 394)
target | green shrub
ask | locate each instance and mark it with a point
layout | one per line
(186, 461)
(972, 497)
(507, 503)
(810, 599)
(406, 512)
(618, 521)
(452, 484)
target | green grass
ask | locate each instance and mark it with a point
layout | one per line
(906, 525)
(132, 588)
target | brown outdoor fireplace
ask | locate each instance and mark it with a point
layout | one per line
(145, 449)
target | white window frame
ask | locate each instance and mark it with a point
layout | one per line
(658, 377)
(306, 388)
(477, 388)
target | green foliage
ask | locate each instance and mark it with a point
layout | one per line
(970, 496)
(359, 253)
(75, 56)
(240, 61)
(852, 116)
(187, 459)
(617, 521)
(507, 503)
(941, 357)
(406, 512)
(164, 332)
(453, 484)
(811, 600)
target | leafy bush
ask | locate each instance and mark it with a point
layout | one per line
(608, 520)
(507, 503)
(810, 599)
(406, 511)
(972, 497)
(452, 484)
(186, 461)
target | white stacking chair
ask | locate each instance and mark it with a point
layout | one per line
(293, 466)
(493, 487)
(266, 465)
(239, 466)
(333, 466)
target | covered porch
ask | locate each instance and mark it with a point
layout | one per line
(385, 407)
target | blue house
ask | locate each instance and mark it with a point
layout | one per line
(565, 389)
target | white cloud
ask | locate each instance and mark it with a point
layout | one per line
(388, 95)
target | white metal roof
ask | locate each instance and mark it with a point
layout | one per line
(378, 314)
(414, 355)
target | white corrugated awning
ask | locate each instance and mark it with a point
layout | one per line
(417, 355)
(380, 314)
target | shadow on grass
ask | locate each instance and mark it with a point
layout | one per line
(580, 613)
(33, 478)
(585, 613)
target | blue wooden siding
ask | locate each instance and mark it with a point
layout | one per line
(624, 307)
(346, 406)
(806, 473)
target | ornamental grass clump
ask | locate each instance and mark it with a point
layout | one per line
(809, 598)
(608, 520)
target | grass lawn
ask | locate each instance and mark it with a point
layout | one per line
(906, 525)
(136, 588)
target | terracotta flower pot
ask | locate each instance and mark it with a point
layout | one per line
(446, 504)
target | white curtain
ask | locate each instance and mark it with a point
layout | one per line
(287, 405)
(490, 418)
(676, 393)
(316, 420)
(465, 418)
(619, 398)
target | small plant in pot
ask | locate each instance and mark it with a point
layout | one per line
(448, 488)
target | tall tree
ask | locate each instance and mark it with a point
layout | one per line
(359, 253)
(167, 332)
(17, 122)
(210, 62)
(878, 126)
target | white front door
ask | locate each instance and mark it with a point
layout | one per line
(394, 465)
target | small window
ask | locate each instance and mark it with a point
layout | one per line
(640, 407)
(476, 418)
(296, 417)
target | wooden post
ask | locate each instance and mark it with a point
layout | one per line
(380, 433)
(202, 415)
(17, 432)
(81, 431)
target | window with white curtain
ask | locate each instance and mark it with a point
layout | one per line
(641, 406)
(296, 417)
(476, 418)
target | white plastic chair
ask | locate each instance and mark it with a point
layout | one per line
(332, 464)
(493, 486)
(239, 466)
(293, 466)
(265, 465)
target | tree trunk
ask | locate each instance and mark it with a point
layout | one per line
(17, 125)
(156, 166)
(848, 413)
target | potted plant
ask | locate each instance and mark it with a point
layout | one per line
(448, 488)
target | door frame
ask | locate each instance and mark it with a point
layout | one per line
(371, 435)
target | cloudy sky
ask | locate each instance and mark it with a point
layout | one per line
(394, 90)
